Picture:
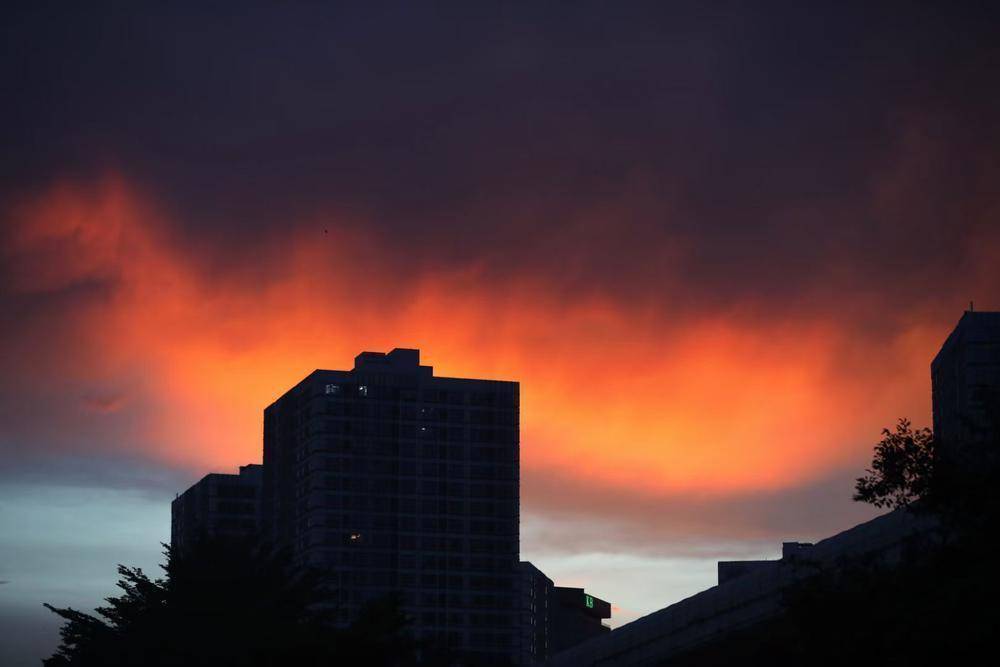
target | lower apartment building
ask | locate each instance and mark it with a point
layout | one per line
(218, 506)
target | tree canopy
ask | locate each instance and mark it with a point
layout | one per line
(228, 604)
(902, 470)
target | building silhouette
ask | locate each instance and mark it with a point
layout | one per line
(556, 617)
(575, 616)
(965, 381)
(536, 593)
(748, 600)
(394, 480)
(218, 506)
(391, 480)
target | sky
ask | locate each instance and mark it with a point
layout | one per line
(718, 245)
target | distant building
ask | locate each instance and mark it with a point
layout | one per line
(574, 617)
(218, 506)
(395, 480)
(536, 593)
(556, 617)
(965, 380)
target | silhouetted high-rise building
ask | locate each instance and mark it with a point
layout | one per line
(394, 480)
(965, 379)
(218, 506)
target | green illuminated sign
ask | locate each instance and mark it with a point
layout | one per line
(589, 600)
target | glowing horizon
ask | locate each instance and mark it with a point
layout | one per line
(184, 358)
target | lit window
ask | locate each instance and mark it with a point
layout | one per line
(332, 389)
(589, 599)
(362, 390)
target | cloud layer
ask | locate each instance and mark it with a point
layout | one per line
(131, 343)
(718, 247)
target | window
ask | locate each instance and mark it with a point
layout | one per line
(362, 390)
(332, 389)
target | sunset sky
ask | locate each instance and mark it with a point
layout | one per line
(718, 248)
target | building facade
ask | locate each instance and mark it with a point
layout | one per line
(394, 480)
(218, 507)
(575, 616)
(556, 617)
(965, 380)
(536, 595)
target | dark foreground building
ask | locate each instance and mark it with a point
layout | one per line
(394, 480)
(965, 379)
(745, 600)
(218, 506)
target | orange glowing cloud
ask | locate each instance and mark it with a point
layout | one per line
(618, 393)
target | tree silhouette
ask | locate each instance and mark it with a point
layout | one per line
(225, 603)
(902, 470)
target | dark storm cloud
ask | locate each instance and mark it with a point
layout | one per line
(588, 144)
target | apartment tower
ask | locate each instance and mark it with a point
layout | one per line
(394, 480)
